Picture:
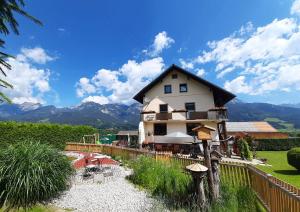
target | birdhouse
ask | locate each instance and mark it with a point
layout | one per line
(204, 132)
(197, 170)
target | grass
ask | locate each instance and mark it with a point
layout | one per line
(70, 158)
(280, 167)
(161, 178)
(168, 182)
(37, 208)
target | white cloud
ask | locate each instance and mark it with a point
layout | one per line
(37, 55)
(238, 85)
(263, 59)
(120, 85)
(161, 42)
(30, 83)
(295, 9)
(200, 72)
(186, 65)
(98, 99)
(84, 86)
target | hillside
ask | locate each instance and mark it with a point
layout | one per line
(281, 117)
(122, 116)
(93, 114)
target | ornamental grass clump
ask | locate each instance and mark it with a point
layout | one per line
(32, 173)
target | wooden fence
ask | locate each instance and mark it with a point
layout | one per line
(273, 193)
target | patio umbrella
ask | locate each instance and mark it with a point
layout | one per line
(128, 141)
(178, 135)
(176, 138)
(141, 133)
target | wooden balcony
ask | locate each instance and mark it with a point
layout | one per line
(163, 116)
(213, 114)
(196, 115)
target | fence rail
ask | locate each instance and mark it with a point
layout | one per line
(275, 194)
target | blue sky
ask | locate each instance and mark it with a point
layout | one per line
(105, 51)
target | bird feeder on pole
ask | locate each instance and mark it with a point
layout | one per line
(198, 172)
(204, 134)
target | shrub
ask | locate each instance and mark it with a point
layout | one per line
(244, 149)
(293, 157)
(277, 144)
(165, 179)
(32, 173)
(52, 134)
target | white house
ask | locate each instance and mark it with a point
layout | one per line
(176, 102)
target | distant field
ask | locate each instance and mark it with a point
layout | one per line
(283, 126)
(280, 167)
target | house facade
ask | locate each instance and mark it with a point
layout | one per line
(178, 101)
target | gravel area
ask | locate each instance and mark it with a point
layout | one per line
(110, 193)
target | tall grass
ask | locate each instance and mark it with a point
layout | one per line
(235, 199)
(168, 181)
(165, 179)
(32, 173)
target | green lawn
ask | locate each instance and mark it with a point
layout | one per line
(280, 167)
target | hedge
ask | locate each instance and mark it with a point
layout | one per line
(293, 157)
(277, 144)
(55, 135)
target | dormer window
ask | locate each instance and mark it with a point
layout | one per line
(183, 88)
(168, 89)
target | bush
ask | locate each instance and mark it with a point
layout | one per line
(52, 134)
(277, 144)
(32, 173)
(293, 157)
(244, 149)
(162, 178)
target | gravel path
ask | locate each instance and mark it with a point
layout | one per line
(107, 194)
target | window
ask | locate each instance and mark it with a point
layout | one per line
(168, 89)
(183, 88)
(190, 106)
(160, 129)
(190, 127)
(163, 108)
(174, 76)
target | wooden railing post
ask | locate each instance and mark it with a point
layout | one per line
(270, 192)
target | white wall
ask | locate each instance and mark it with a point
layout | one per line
(197, 92)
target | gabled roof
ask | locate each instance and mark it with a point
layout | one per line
(221, 96)
(258, 126)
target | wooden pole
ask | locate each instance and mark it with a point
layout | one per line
(198, 181)
(210, 179)
(216, 177)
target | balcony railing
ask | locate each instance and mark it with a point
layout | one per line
(163, 116)
(213, 114)
(196, 115)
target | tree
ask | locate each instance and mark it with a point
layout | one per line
(9, 23)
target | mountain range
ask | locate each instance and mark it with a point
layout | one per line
(121, 116)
